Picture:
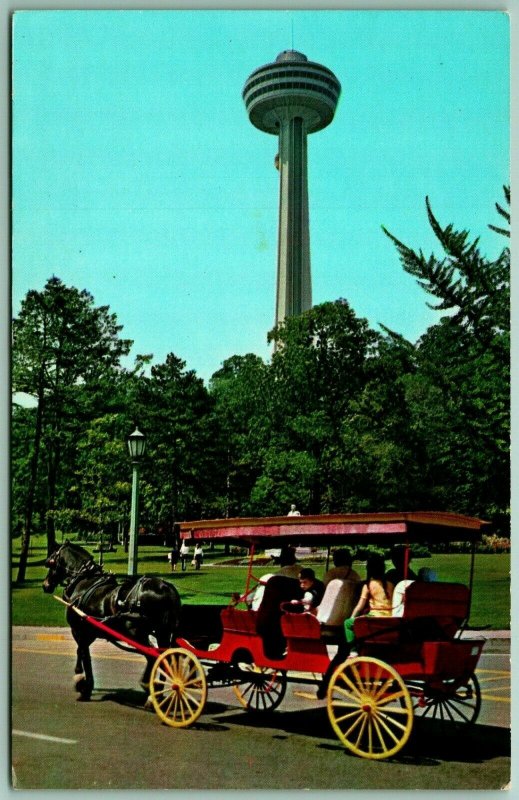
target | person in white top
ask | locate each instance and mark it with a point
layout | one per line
(342, 587)
(425, 574)
(293, 511)
(198, 555)
(184, 555)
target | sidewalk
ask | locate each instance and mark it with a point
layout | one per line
(496, 641)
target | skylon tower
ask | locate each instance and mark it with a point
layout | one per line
(291, 98)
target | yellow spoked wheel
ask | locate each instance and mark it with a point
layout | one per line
(370, 708)
(261, 688)
(178, 688)
(455, 700)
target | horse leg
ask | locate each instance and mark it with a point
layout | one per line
(84, 680)
(79, 675)
(145, 679)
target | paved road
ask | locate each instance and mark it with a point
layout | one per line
(113, 742)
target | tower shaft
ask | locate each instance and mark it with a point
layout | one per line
(291, 98)
(294, 287)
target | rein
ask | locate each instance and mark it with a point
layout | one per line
(88, 570)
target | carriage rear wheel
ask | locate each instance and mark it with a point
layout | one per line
(454, 700)
(260, 688)
(178, 687)
(370, 708)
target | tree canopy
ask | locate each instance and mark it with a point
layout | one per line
(343, 417)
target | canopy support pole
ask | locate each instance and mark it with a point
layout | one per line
(249, 571)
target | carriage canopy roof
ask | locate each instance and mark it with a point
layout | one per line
(331, 529)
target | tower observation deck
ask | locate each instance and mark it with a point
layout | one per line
(291, 98)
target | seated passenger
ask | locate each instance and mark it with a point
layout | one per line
(399, 597)
(278, 589)
(342, 584)
(289, 566)
(313, 589)
(342, 568)
(376, 595)
(398, 572)
(337, 603)
(425, 574)
(254, 598)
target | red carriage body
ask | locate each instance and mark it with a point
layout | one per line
(416, 664)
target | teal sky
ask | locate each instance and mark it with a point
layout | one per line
(137, 175)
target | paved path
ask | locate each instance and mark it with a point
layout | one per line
(113, 742)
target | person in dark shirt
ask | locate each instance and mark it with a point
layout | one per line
(399, 555)
(312, 587)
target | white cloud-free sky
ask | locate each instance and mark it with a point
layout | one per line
(137, 175)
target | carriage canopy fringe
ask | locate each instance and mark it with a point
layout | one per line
(434, 526)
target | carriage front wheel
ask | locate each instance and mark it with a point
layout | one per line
(370, 708)
(178, 687)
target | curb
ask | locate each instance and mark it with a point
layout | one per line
(45, 632)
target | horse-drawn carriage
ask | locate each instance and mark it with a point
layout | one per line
(407, 666)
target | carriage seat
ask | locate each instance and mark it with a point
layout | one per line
(300, 626)
(337, 602)
(237, 620)
(432, 611)
(328, 624)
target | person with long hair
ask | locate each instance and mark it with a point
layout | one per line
(377, 594)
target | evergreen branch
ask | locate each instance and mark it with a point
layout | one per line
(503, 213)
(499, 230)
(453, 242)
(397, 337)
(501, 210)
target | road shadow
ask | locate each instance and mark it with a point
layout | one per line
(133, 698)
(430, 743)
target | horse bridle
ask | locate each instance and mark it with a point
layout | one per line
(73, 574)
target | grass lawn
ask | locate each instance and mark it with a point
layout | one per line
(215, 582)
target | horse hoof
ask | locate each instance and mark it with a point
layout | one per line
(148, 705)
(79, 682)
(83, 698)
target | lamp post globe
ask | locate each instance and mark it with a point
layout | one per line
(136, 448)
(136, 444)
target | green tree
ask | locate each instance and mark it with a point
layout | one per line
(64, 351)
(181, 465)
(98, 497)
(324, 361)
(473, 289)
(459, 395)
(241, 391)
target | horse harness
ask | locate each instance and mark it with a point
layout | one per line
(87, 571)
(124, 600)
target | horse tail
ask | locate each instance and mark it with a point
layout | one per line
(168, 608)
(171, 624)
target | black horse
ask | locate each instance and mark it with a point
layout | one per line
(137, 607)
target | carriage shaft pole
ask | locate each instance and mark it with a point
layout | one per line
(154, 652)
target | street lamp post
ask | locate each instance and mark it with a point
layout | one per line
(136, 447)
